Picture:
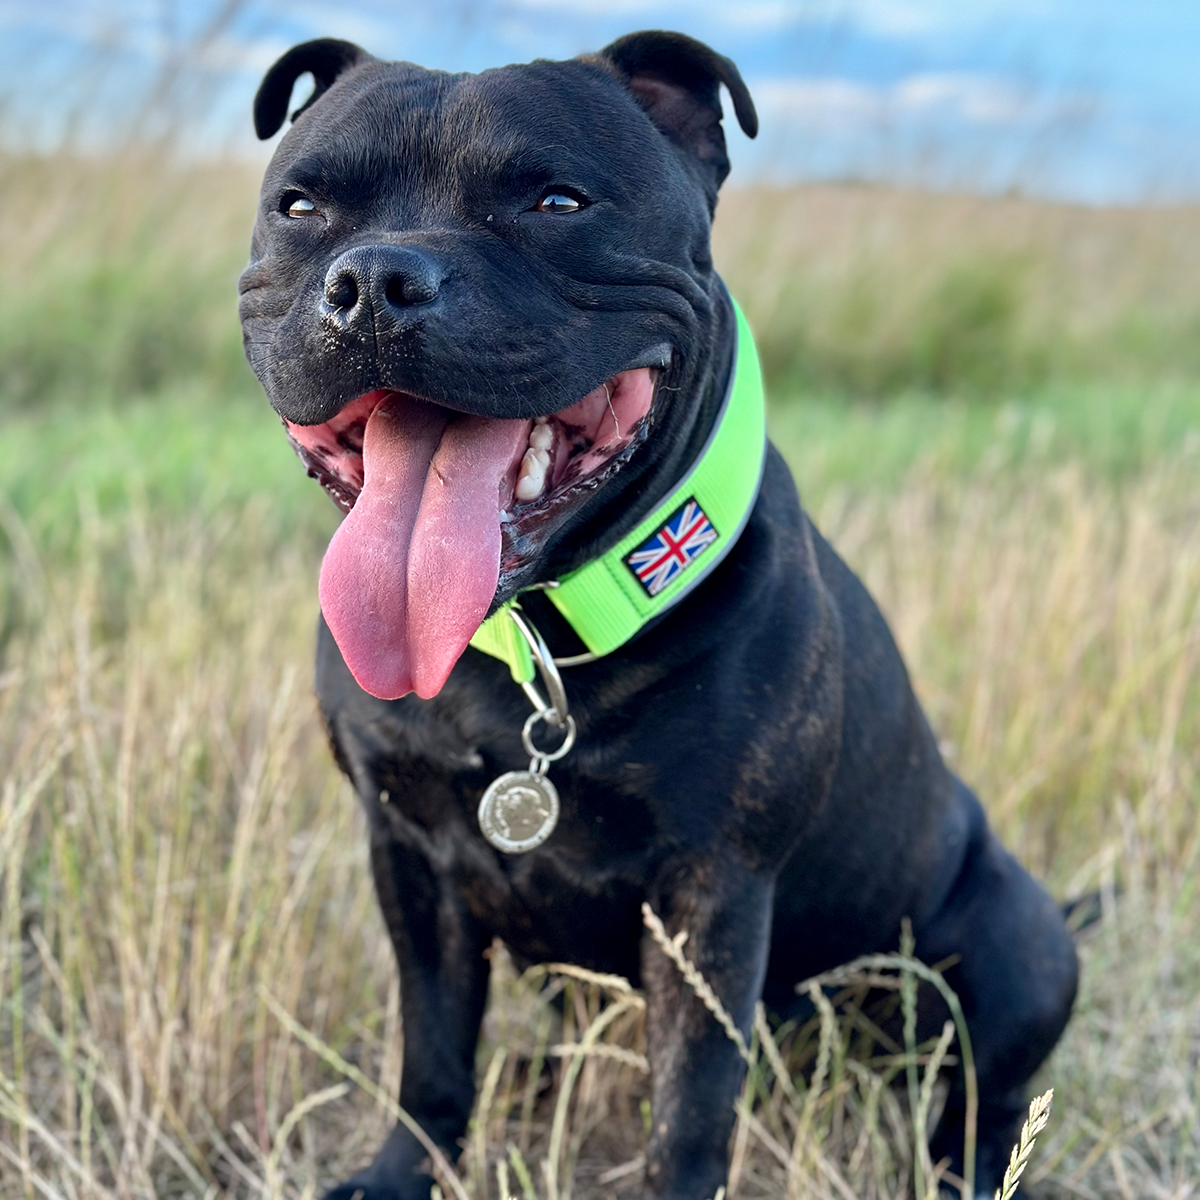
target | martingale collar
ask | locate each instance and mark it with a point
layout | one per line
(609, 599)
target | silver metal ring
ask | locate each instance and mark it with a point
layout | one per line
(556, 709)
(546, 756)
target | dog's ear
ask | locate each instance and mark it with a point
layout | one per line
(676, 80)
(324, 59)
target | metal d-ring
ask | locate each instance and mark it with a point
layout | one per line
(555, 712)
(570, 660)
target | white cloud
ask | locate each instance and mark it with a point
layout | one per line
(252, 56)
(815, 99)
(909, 18)
(369, 24)
(737, 14)
(904, 18)
(762, 14)
(978, 99)
(590, 8)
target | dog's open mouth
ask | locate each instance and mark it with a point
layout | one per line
(411, 572)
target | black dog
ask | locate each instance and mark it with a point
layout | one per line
(438, 261)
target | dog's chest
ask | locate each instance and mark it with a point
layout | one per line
(577, 897)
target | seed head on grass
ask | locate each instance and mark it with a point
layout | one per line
(1039, 1114)
(672, 947)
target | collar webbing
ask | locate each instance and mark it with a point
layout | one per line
(610, 598)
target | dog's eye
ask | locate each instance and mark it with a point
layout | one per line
(300, 206)
(559, 202)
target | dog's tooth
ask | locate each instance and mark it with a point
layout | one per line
(529, 488)
(532, 476)
(541, 437)
(542, 456)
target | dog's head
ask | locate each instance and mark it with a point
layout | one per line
(484, 306)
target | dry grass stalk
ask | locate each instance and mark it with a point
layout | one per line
(766, 1039)
(672, 947)
(921, 1126)
(910, 970)
(441, 1167)
(575, 1064)
(1039, 1117)
(612, 983)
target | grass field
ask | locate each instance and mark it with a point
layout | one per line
(196, 993)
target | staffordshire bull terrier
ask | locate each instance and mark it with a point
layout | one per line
(486, 310)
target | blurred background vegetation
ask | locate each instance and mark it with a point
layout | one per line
(926, 315)
(118, 273)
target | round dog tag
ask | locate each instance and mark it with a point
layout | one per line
(518, 811)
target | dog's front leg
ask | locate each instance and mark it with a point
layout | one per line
(696, 1068)
(443, 988)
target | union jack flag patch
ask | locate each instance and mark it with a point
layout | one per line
(686, 534)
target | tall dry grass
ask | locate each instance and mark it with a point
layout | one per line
(868, 290)
(118, 276)
(196, 993)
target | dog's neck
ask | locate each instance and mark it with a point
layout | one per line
(680, 533)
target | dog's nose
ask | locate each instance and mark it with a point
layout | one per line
(370, 282)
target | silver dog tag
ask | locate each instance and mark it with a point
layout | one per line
(519, 811)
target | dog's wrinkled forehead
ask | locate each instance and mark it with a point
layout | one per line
(644, 111)
(400, 133)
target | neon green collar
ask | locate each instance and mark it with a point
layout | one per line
(609, 599)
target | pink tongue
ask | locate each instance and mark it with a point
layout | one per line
(410, 572)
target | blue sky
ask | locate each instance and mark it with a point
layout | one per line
(1094, 100)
